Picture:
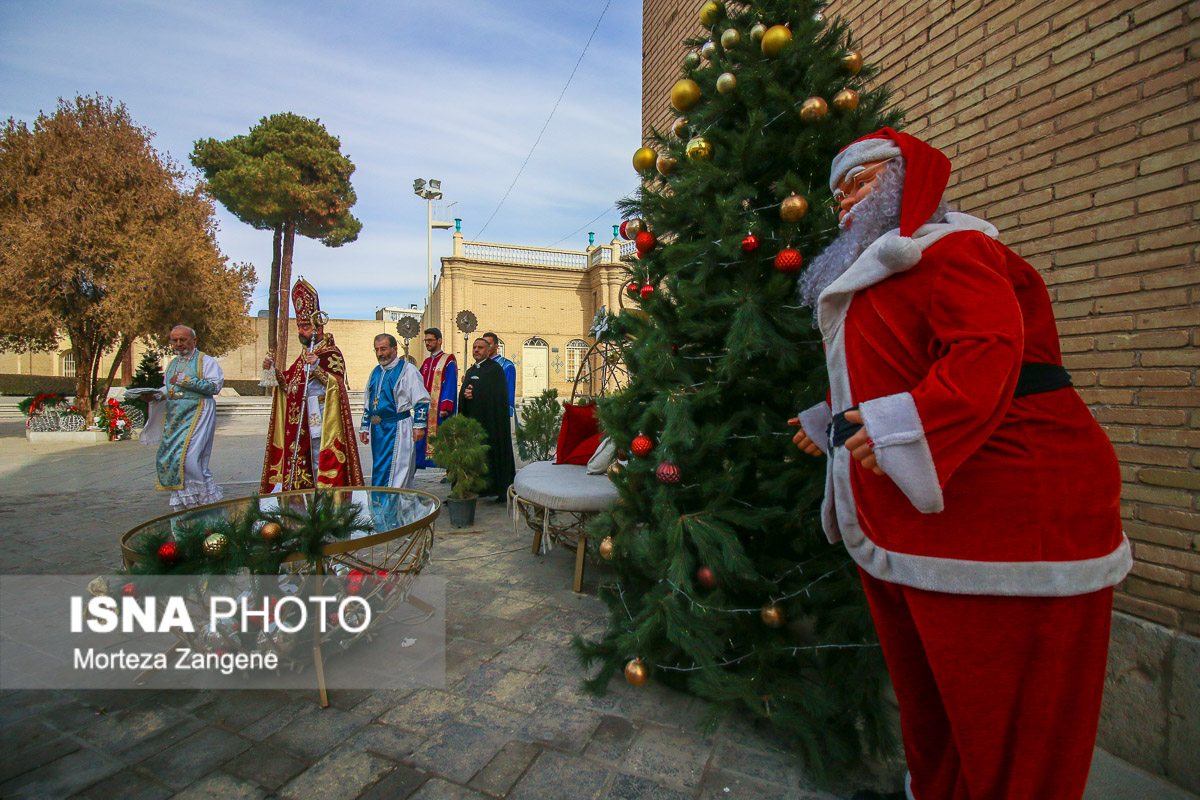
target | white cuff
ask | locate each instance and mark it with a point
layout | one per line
(816, 422)
(901, 450)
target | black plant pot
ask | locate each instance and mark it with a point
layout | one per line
(462, 511)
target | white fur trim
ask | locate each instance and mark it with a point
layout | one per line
(840, 516)
(860, 153)
(901, 449)
(816, 421)
(899, 253)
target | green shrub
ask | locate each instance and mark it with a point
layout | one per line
(461, 448)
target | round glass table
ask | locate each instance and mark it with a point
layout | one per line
(401, 523)
(378, 566)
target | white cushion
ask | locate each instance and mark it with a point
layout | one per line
(603, 458)
(564, 487)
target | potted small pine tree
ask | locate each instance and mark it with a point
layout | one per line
(461, 449)
(538, 431)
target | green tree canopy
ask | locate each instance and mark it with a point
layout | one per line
(103, 241)
(288, 175)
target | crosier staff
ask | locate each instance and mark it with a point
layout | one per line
(319, 318)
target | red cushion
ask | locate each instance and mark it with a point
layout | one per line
(579, 423)
(584, 451)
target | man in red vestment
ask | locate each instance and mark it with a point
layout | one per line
(966, 479)
(440, 374)
(310, 418)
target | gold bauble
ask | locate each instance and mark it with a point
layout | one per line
(773, 616)
(665, 164)
(709, 12)
(215, 544)
(757, 31)
(845, 101)
(680, 128)
(691, 61)
(731, 39)
(270, 531)
(699, 149)
(709, 50)
(685, 94)
(616, 470)
(793, 208)
(852, 62)
(814, 109)
(606, 548)
(644, 159)
(632, 228)
(775, 39)
(637, 673)
(726, 83)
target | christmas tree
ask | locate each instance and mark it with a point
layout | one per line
(149, 374)
(726, 586)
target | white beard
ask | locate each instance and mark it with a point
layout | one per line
(871, 217)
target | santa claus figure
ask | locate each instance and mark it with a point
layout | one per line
(966, 479)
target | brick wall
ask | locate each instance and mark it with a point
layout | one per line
(1074, 127)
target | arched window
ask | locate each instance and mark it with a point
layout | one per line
(499, 346)
(576, 350)
(68, 364)
(536, 341)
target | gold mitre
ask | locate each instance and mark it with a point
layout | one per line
(307, 304)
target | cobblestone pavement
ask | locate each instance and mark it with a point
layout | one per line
(511, 722)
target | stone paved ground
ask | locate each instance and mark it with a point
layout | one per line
(511, 721)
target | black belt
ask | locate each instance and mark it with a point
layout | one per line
(1033, 379)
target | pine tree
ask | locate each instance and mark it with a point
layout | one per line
(149, 374)
(725, 585)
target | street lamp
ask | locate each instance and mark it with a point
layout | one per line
(429, 190)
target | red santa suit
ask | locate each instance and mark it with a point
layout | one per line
(990, 545)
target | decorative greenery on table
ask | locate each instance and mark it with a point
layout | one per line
(247, 543)
(538, 432)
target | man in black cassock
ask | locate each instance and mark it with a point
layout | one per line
(484, 397)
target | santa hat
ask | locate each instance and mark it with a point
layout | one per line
(926, 172)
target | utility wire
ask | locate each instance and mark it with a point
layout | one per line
(584, 225)
(479, 235)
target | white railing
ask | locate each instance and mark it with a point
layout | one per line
(628, 248)
(511, 254)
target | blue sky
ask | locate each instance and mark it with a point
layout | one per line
(451, 90)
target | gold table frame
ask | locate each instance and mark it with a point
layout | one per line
(408, 559)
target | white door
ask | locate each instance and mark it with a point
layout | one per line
(535, 368)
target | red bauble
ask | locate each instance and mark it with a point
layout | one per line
(647, 290)
(788, 260)
(706, 578)
(750, 244)
(645, 242)
(168, 553)
(354, 581)
(667, 473)
(129, 590)
(633, 288)
(642, 445)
